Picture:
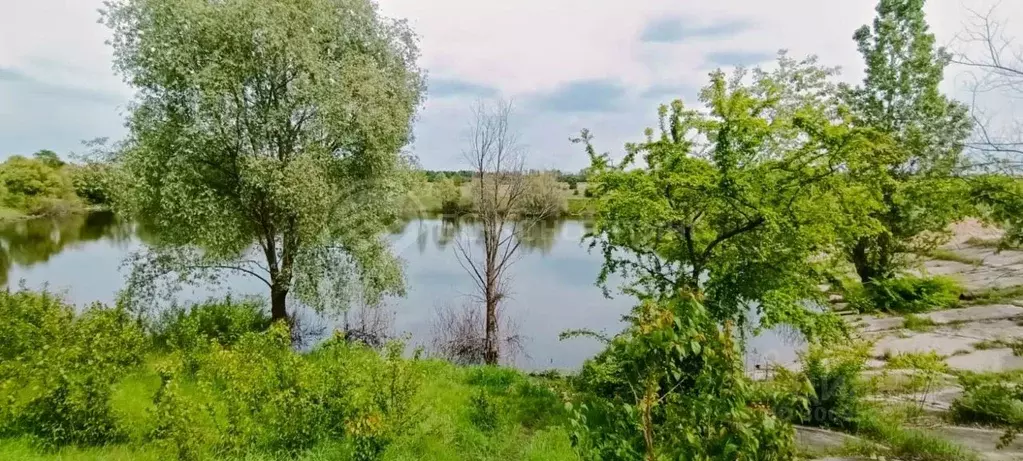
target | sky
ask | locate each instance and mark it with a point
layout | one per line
(565, 65)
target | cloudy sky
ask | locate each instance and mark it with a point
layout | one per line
(566, 64)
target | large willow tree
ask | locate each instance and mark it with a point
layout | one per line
(266, 139)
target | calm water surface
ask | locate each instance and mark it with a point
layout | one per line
(552, 281)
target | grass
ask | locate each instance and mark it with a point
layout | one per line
(1016, 345)
(906, 294)
(996, 295)
(929, 361)
(989, 399)
(949, 255)
(530, 422)
(890, 438)
(917, 323)
(993, 243)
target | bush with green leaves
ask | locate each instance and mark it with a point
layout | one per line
(260, 395)
(57, 368)
(991, 399)
(33, 186)
(93, 182)
(908, 294)
(829, 379)
(223, 321)
(672, 386)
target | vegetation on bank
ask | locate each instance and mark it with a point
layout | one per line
(283, 159)
(215, 382)
(45, 185)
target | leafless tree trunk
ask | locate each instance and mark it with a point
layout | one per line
(994, 63)
(499, 188)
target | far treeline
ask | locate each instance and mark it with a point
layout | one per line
(44, 185)
(267, 138)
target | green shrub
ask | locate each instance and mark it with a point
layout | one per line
(829, 380)
(496, 379)
(32, 184)
(672, 386)
(221, 321)
(905, 295)
(260, 395)
(92, 183)
(58, 369)
(995, 400)
(180, 423)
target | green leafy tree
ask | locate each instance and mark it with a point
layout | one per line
(266, 139)
(735, 201)
(725, 212)
(450, 196)
(30, 183)
(49, 157)
(900, 97)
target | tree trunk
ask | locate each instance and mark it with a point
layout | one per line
(861, 262)
(492, 351)
(278, 303)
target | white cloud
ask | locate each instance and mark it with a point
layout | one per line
(521, 49)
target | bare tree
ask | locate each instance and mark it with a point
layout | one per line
(459, 337)
(994, 63)
(500, 187)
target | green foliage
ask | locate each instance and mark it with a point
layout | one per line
(829, 380)
(991, 399)
(221, 321)
(57, 368)
(907, 294)
(178, 420)
(900, 98)
(258, 395)
(450, 195)
(285, 138)
(34, 186)
(736, 200)
(672, 386)
(1000, 198)
(93, 182)
(49, 158)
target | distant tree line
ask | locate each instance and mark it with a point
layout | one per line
(461, 176)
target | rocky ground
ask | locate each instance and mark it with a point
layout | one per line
(978, 337)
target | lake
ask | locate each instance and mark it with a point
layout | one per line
(552, 282)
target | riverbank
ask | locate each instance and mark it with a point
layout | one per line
(947, 374)
(63, 208)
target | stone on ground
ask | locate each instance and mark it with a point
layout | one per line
(990, 360)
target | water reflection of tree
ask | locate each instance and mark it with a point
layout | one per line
(448, 229)
(35, 241)
(539, 237)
